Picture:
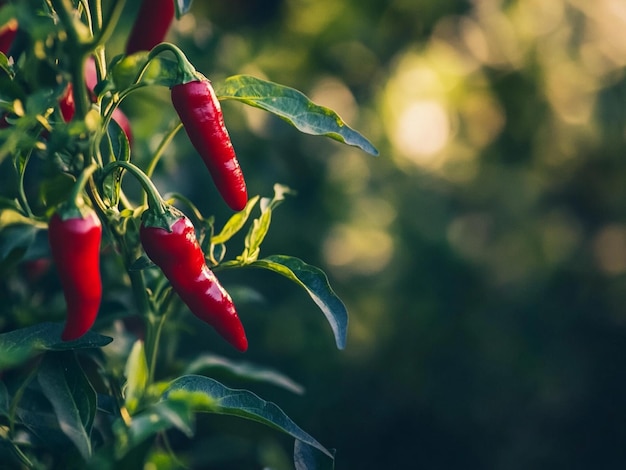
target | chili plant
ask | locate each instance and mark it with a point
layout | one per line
(82, 386)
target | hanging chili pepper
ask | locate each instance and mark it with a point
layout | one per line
(74, 233)
(177, 252)
(151, 26)
(201, 114)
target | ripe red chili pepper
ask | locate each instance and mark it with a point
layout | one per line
(201, 114)
(75, 247)
(178, 254)
(151, 26)
(7, 34)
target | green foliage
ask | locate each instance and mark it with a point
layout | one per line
(123, 398)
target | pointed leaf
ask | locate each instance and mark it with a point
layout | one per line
(242, 403)
(74, 401)
(306, 457)
(294, 107)
(20, 345)
(160, 417)
(211, 363)
(136, 373)
(235, 223)
(315, 282)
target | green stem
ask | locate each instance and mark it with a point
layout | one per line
(155, 201)
(80, 184)
(159, 151)
(21, 192)
(153, 337)
(104, 33)
(188, 72)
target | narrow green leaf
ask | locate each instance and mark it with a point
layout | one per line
(242, 403)
(141, 263)
(182, 7)
(20, 345)
(136, 372)
(294, 107)
(315, 282)
(235, 223)
(72, 397)
(306, 457)
(212, 363)
(260, 226)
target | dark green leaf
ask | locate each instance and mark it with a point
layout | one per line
(182, 7)
(14, 242)
(20, 345)
(316, 284)
(306, 457)
(292, 106)
(223, 400)
(141, 263)
(4, 400)
(211, 363)
(156, 418)
(74, 401)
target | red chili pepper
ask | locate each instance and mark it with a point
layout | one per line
(151, 26)
(67, 104)
(68, 107)
(7, 34)
(178, 254)
(201, 115)
(75, 247)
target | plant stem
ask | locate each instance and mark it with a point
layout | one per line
(154, 327)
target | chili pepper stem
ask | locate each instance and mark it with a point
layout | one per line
(186, 69)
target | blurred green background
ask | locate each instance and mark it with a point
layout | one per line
(481, 256)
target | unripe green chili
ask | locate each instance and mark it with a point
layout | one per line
(201, 114)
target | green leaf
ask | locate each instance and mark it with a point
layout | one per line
(261, 225)
(242, 403)
(160, 417)
(74, 401)
(4, 400)
(306, 457)
(141, 263)
(15, 240)
(136, 372)
(235, 223)
(20, 345)
(292, 106)
(315, 282)
(182, 7)
(212, 363)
